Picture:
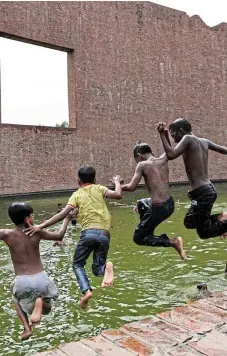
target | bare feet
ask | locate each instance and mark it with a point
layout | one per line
(108, 276)
(37, 312)
(26, 334)
(221, 217)
(177, 243)
(84, 300)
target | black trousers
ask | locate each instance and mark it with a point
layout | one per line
(151, 215)
(199, 214)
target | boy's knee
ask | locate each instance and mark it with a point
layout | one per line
(189, 224)
(202, 234)
(137, 239)
(98, 271)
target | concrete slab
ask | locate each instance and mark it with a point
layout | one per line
(195, 329)
(185, 322)
(113, 335)
(218, 302)
(153, 336)
(183, 351)
(105, 348)
(139, 348)
(77, 349)
(213, 344)
(209, 308)
(176, 332)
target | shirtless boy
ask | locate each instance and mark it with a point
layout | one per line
(32, 288)
(161, 205)
(95, 234)
(203, 194)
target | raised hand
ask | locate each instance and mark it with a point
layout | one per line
(117, 178)
(161, 127)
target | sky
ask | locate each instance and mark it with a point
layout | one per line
(34, 79)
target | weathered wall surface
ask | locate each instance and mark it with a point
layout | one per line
(133, 64)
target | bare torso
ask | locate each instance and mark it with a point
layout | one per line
(24, 251)
(156, 176)
(196, 161)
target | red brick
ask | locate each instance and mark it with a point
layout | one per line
(155, 57)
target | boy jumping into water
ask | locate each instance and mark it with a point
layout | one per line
(203, 194)
(32, 288)
(153, 211)
(95, 236)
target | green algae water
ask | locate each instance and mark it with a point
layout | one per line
(147, 280)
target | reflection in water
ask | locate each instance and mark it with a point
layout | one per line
(148, 280)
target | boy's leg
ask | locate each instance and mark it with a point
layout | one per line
(144, 234)
(36, 315)
(84, 248)
(46, 306)
(108, 275)
(100, 267)
(190, 218)
(27, 333)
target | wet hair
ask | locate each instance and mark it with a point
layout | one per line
(87, 174)
(18, 212)
(181, 125)
(141, 148)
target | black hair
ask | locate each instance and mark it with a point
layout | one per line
(18, 212)
(86, 174)
(141, 148)
(59, 204)
(181, 125)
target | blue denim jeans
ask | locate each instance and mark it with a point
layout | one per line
(91, 240)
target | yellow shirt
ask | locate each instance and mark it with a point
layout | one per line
(93, 212)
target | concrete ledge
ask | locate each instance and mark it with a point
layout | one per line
(197, 328)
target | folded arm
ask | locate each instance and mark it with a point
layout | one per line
(54, 220)
(117, 192)
(174, 152)
(3, 233)
(55, 236)
(135, 179)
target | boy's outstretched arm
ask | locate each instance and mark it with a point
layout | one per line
(135, 179)
(3, 234)
(217, 148)
(172, 152)
(56, 236)
(54, 220)
(117, 192)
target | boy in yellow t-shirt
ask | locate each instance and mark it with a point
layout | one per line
(95, 220)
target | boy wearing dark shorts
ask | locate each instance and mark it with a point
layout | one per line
(160, 206)
(202, 194)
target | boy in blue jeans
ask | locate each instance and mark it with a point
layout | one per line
(95, 220)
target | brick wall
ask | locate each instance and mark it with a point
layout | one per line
(133, 64)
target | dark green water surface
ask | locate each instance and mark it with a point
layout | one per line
(147, 280)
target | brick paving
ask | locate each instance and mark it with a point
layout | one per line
(199, 328)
